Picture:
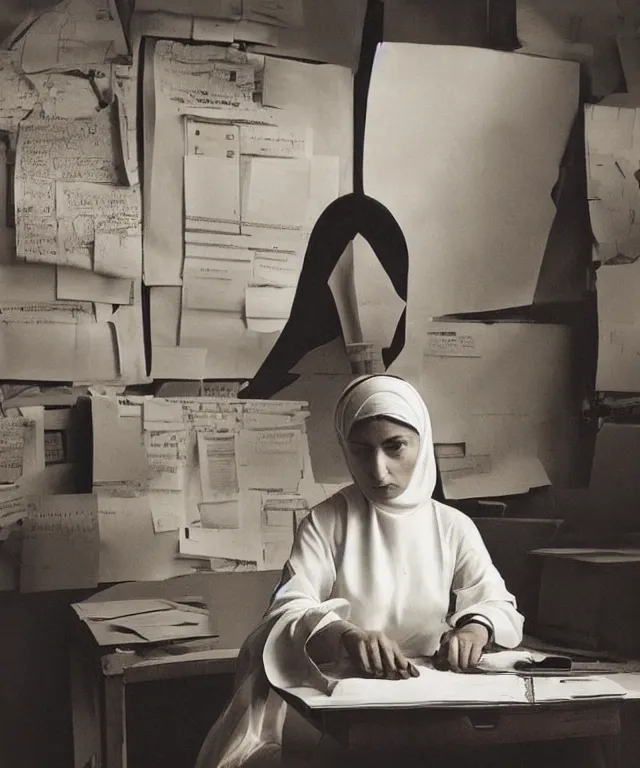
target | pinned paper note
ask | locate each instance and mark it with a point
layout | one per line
(220, 514)
(270, 458)
(218, 470)
(60, 549)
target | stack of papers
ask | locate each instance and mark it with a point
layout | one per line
(431, 687)
(567, 688)
(120, 622)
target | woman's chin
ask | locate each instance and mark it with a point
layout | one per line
(384, 492)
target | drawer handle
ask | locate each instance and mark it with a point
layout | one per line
(486, 723)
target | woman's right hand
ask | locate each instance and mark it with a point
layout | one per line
(376, 655)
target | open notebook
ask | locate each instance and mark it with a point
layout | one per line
(430, 688)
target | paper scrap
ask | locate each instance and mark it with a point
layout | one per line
(270, 459)
(61, 544)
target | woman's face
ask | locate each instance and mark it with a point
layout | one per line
(382, 455)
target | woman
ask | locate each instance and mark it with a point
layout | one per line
(372, 575)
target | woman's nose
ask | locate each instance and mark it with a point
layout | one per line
(379, 466)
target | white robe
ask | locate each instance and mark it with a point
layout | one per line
(398, 570)
(389, 571)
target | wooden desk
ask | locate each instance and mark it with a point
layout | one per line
(398, 734)
(99, 677)
(98, 693)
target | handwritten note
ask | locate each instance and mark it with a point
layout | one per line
(12, 445)
(61, 543)
(50, 151)
(13, 505)
(218, 470)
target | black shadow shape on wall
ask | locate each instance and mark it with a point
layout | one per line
(314, 318)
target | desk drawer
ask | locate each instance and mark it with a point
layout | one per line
(441, 729)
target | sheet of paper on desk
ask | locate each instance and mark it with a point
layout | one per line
(567, 688)
(160, 634)
(61, 544)
(458, 277)
(431, 687)
(117, 609)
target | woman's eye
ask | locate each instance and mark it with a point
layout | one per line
(395, 449)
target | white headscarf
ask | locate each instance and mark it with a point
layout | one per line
(390, 396)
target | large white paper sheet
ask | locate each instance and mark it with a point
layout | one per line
(431, 687)
(467, 176)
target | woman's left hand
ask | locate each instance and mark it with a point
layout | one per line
(462, 648)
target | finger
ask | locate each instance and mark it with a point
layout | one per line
(439, 660)
(453, 654)
(402, 664)
(475, 654)
(374, 657)
(363, 658)
(464, 650)
(388, 656)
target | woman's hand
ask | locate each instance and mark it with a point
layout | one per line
(462, 648)
(375, 654)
